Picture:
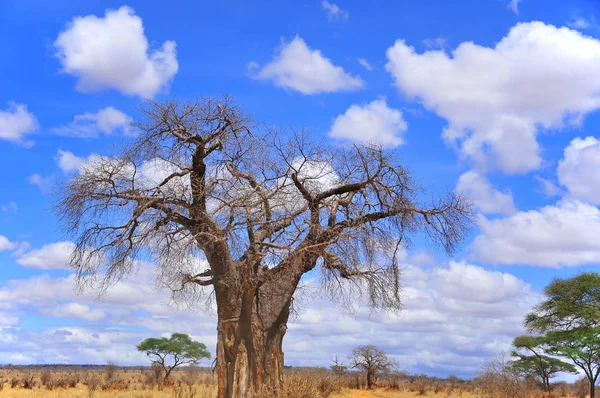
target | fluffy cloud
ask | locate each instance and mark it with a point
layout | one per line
(455, 317)
(93, 329)
(471, 283)
(78, 311)
(375, 122)
(300, 68)
(578, 169)
(51, 256)
(486, 198)
(565, 234)
(113, 52)
(334, 12)
(16, 123)
(497, 99)
(69, 162)
(106, 121)
(17, 248)
(148, 174)
(6, 244)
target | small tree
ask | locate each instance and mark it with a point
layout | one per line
(179, 346)
(537, 366)
(569, 319)
(110, 369)
(338, 366)
(371, 360)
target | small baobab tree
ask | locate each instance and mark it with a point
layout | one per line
(227, 207)
(372, 361)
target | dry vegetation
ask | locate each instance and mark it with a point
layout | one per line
(112, 381)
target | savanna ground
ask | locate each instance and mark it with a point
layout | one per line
(99, 382)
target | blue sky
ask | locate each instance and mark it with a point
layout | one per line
(497, 99)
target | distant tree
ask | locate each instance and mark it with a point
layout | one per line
(110, 369)
(239, 211)
(569, 319)
(338, 366)
(371, 360)
(453, 379)
(537, 366)
(501, 378)
(172, 352)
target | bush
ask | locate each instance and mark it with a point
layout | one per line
(581, 388)
(110, 369)
(46, 379)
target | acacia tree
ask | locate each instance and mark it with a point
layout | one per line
(371, 360)
(224, 205)
(177, 350)
(538, 365)
(569, 319)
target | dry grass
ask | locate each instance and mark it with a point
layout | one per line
(394, 394)
(144, 383)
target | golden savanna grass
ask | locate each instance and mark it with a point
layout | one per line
(145, 383)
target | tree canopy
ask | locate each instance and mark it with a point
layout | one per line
(537, 366)
(177, 350)
(569, 321)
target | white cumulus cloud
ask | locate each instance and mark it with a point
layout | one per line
(52, 256)
(497, 99)
(107, 121)
(578, 170)
(296, 66)
(486, 198)
(565, 234)
(16, 123)
(77, 311)
(112, 52)
(6, 244)
(375, 122)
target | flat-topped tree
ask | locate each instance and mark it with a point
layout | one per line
(569, 320)
(172, 352)
(226, 206)
(538, 366)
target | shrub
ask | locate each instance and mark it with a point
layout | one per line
(581, 388)
(110, 369)
(46, 379)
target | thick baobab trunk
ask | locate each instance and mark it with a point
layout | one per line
(371, 379)
(249, 359)
(251, 326)
(249, 350)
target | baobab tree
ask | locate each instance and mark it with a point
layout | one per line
(228, 207)
(371, 360)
